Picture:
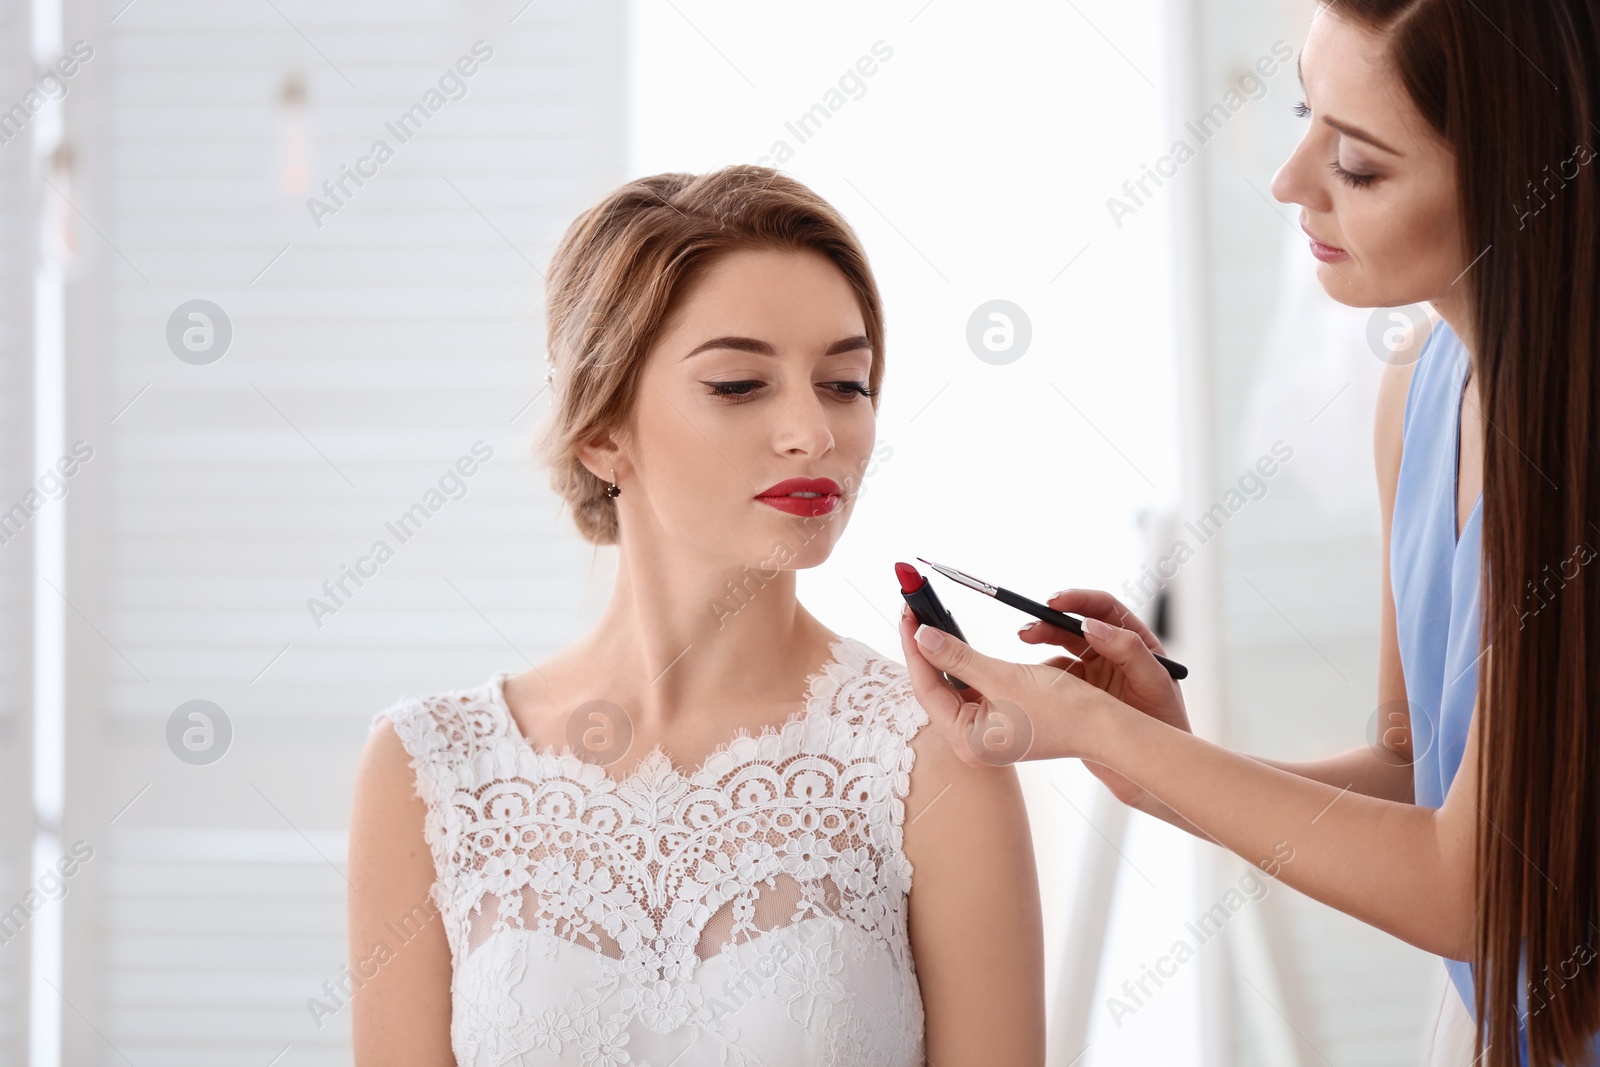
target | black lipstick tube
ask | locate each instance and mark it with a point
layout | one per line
(930, 611)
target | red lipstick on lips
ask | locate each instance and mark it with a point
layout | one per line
(821, 495)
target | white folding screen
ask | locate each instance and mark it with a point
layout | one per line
(273, 361)
(16, 537)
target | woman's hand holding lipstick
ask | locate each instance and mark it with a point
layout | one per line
(1009, 712)
(1050, 709)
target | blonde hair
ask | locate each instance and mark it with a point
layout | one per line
(621, 269)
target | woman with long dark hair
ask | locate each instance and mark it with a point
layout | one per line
(1448, 159)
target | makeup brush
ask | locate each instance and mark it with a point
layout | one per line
(1069, 623)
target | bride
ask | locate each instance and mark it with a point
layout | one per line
(710, 831)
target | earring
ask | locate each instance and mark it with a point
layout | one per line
(613, 490)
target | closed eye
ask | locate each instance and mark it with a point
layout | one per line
(745, 389)
(1351, 178)
(731, 388)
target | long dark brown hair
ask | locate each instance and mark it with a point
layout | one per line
(1512, 86)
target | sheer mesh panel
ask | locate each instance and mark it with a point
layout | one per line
(779, 905)
(666, 880)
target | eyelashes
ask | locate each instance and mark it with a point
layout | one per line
(1349, 177)
(739, 391)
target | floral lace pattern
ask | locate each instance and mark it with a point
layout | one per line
(750, 911)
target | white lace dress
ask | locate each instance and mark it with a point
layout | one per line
(749, 912)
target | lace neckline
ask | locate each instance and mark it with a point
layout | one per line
(656, 764)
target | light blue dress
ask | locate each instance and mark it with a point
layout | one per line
(1435, 580)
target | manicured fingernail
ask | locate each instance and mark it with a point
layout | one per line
(1030, 626)
(1096, 629)
(930, 638)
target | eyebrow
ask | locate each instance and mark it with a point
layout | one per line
(762, 348)
(1349, 131)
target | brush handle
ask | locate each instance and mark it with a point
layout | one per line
(1073, 625)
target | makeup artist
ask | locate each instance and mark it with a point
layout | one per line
(1446, 158)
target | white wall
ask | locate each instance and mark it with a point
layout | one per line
(367, 355)
(975, 163)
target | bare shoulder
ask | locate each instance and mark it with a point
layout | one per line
(953, 806)
(387, 812)
(403, 1013)
(384, 768)
(964, 822)
(973, 907)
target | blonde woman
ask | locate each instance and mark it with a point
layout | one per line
(710, 830)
